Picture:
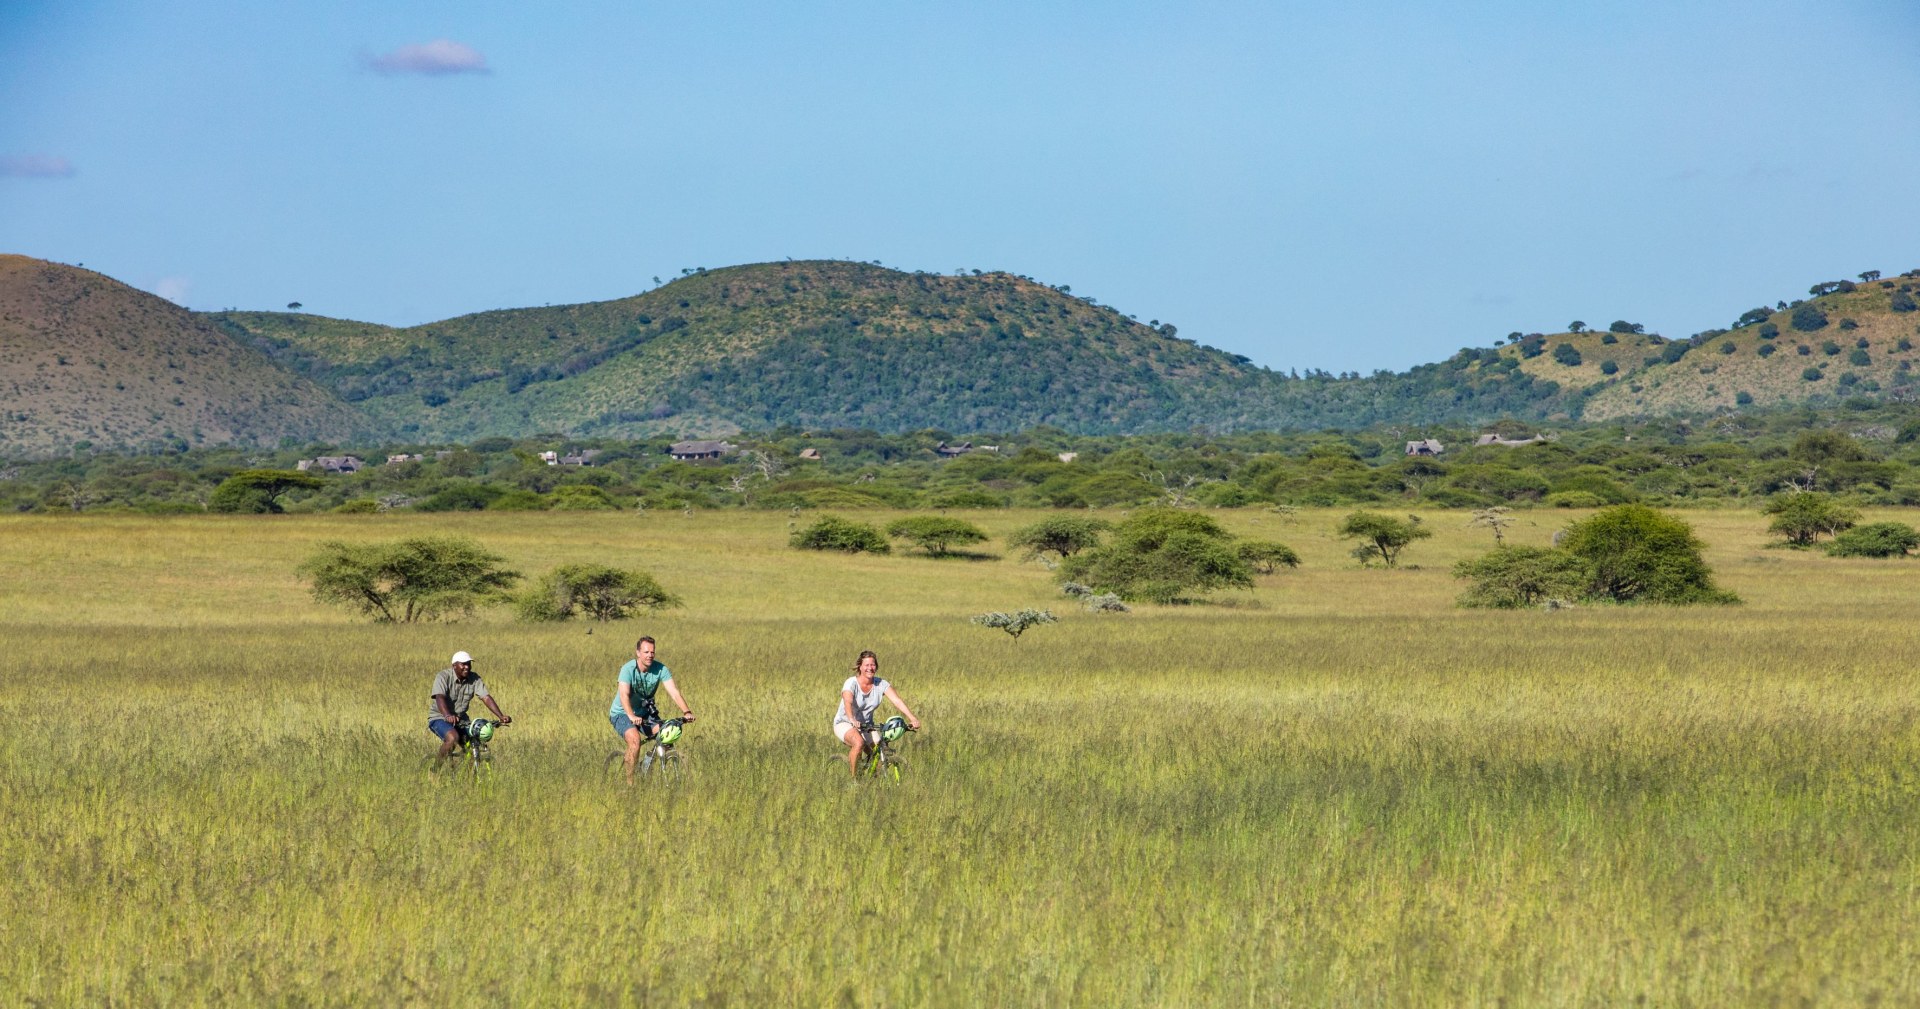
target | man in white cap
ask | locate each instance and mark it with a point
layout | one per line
(454, 688)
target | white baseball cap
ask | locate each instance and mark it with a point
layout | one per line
(462, 657)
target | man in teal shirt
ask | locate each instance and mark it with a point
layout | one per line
(634, 715)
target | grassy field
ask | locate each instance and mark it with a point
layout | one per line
(1335, 789)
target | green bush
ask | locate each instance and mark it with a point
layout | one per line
(1768, 331)
(1876, 539)
(1802, 517)
(1859, 358)
(1633, 553)
(580, 498)
(1767, 350)
(413, 580)
(358, 506)
(1812, 374)
(461, 496)
(1265, 556)
(936, 534)
(1163, 556)
(1808, 319)
(1901, 301)
(1060, 535)
(1515, 577)
(518, 500)
(593, 590)
(831, 532)
(1575, 499)
(1608, 367)
(970, 499)
(1567, 354)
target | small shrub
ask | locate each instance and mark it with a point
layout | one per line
(1812, 374)
(1808, 319)
(1847, 324)
(1876, 539)
(358, 506)
(1727, 347)
(1829, 348)
(1901, 301)
(1575, 499)
(1767, 350)
(1567, 354)
(970, 499)
(936, 534)
(518, 500)
(462, 496)
(1609, 367)
(1609, 338)
(1016, 623)
(1859, 358)
(831, 532)
(1768, 331)
(1743, 398)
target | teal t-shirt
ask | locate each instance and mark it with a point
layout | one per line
(640, 684)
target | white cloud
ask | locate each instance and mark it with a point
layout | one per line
(436, 58)
(173, 289)
(35, 166)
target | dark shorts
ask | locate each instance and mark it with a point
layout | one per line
(649, 724)
(439, 727)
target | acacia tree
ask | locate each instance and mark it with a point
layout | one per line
(410, 581)
(936, 534)
(1060, 535)
(1381, 536)
(258, 491)
(595, 590)
(1805, 516)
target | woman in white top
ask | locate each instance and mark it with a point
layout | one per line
(860, 697)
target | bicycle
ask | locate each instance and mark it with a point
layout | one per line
(659, 758)
(878, 759)
(473, 758)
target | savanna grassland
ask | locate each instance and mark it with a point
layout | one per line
(1335, 789)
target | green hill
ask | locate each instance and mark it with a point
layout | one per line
(87, 358)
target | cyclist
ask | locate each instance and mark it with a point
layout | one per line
(454, 689)
(860, 697)
(634, 715)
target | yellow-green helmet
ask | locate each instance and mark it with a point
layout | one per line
(481, 730)
(670, 732)
(894, 729)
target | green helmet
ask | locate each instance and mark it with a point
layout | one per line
(481, 730)
(894, 729)
(670, 732)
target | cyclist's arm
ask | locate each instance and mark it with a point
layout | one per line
(497, 713)
(626, 703)
(674, 692)
(846, 707)
(894, 696)
(446, 709)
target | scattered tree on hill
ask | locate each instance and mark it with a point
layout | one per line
(1567, 354)
(1808, 319)
(1061, 535)
(1633, 553)
(1576, 326)
(1382, 537)
(1753, 316)
(831, 532)
(1805, 516)
(1870, 276)
(597, 591)
(1609, 367)
(1876, 539)
(1901, 301)
(1609, 338)
(258, 491)
(413, 580)
(1831, 287)
(1623, 326)
(936, 534)
(293, 306)
(1163, 556)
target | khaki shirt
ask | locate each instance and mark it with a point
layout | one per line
(459, 693)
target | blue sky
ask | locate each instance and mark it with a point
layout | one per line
(1349, 187)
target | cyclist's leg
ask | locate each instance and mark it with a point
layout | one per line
(448, 733)
(632, 735)
(850, 735)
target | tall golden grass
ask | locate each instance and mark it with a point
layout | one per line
(1334, 789)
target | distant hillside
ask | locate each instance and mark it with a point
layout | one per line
(832, 344)
(85, 357)
(839, 344)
